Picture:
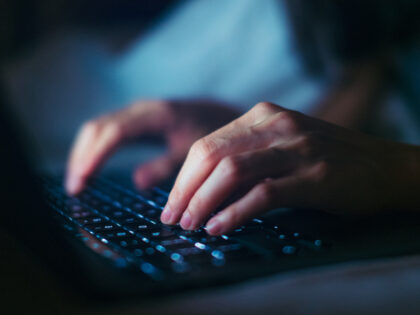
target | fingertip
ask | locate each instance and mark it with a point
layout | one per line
(186, 221)
(214, 227)
(167, 216)
(73, 185)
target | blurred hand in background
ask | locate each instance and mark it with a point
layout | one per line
(179, 123)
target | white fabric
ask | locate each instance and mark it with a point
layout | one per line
(239, 51)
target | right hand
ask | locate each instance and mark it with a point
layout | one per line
(272, 157)
(179, 122)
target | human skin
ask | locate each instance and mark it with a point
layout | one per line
(355, 95)
(286, 159)
(179, 123)
(272, 156)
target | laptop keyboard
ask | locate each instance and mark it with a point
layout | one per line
(122, 224)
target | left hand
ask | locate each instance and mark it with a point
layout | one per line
(281, 158)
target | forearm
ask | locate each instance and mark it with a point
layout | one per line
(354, 98)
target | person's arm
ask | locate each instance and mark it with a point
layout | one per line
(282, 158)
(355, 94)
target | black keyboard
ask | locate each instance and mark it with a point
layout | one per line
(123, 224)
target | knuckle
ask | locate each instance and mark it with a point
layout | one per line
(232, 167)
(313, 144)
(204, 148)
(307, 145)
(265, 108)
(287, 120)
(265, 192)
(321, 171)
(114, 130)
(91, 126)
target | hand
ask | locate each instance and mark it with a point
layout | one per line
(179, 123)
(282, 158)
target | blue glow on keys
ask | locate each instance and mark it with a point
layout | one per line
(200, 245)
(217, 254)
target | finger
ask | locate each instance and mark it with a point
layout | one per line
(155, 171)
(284, 192)
(98, 139)
(81, 163)
(232, 173)
(236, 137)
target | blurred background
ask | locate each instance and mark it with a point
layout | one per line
(354, 63)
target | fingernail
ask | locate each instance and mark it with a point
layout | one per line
(166, 215)
(186, 220)
(72, 184)
(214, 226)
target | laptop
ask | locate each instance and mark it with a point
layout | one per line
(108, 244)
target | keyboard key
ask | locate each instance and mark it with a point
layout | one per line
(229, 247)
(218, 254)
(141, 227)
(109, 227)
(150, 250)
(200, 245)
(102, 225)
(152, 213)
(138, 206)
(240, 254)
(96, 220)
(188, 251)
(199, 259)
(129, 220)
(164, 262)
(180, 267)
(289, 250)
(127, 201)
(117, 214)
(175, 242)
(160, 200)
(135, 244)
(129, 223)
(81, 214)
(163, 234)
(177, 257)
(105, 208)
(91, 220)
(116, 233)
(75, 208)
